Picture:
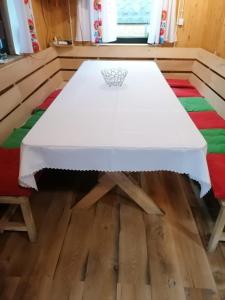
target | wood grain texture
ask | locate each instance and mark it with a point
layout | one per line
(191, 34)
(164, 268)
(101, 276)
(22, 113)
(53, 20)
(112, 251)
(132, 246)
(69, 272)
(214, 35)
(133, 292)
(12, 73)
(127, 52)
(216, 82)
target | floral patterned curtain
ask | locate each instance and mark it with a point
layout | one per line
(162, 22)
(22, 27)
(31, 25)
(96, 21)
(97, 15)
(163, 27)
(168, 20)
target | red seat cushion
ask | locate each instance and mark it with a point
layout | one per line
(9, 173)
(186, 92)
(179, 83)
(216, 164)
(45, 105)
(207, 120)
(55, 93)
(48, 101)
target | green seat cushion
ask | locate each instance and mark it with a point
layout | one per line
(33, 119)
(15, 138)
(195, 104)
(215, 139)
(38, 110)
(212, 132)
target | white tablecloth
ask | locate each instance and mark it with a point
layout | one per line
(140, 126)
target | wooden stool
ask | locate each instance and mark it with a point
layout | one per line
(218, 233)
(28, 224)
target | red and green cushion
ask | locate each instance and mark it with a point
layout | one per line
(213, 132)
(9, 166)
(15, 138)
(48, 101)
(33, 119)
(179, 83)
(207, 120)
(215, 139)
(216, 164)
(186, 92)
(195, 104)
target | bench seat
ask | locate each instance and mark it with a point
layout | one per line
(13, 195)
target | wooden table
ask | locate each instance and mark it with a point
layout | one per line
(138, 127)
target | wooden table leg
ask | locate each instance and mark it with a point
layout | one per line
(110, 180)
(104, 185)
(135, 193)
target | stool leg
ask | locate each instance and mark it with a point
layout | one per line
(217, 230)
(28, 219)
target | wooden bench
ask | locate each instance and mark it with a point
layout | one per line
(28, 225)
(216, 163)
(14, 195)
(9, 162)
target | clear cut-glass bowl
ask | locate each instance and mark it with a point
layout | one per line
(114, 76)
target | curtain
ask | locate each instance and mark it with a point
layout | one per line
(22, 26)
(96, 21)
(162, 27)
(83, 30)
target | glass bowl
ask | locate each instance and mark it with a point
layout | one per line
(114, 76)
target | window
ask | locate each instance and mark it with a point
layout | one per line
(133, 18)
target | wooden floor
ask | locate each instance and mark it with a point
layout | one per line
(114, 250)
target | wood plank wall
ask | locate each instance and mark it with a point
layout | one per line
(190, 35)
(213, 38)
(52, 20)
(204, 25)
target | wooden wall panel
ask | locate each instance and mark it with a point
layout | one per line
(191, 34)
(204, 23)
(52, 19)
(213, 38)
(41, 23)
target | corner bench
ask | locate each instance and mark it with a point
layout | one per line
(207, 119)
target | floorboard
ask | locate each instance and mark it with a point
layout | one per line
(114, 250)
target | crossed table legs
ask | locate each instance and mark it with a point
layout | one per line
(108, 181)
